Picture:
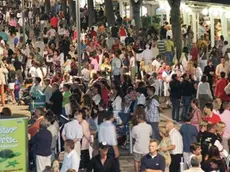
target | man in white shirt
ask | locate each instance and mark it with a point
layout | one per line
(71, 158)
(147, 57)
(225, 118)
(85, 73)
(176, 147)
(156, 63)
(73, 131)
(225, 48)
(195, 162)
(141, 134)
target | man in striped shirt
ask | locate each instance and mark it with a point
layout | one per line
(161, 45)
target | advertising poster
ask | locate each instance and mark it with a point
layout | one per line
(13, 144)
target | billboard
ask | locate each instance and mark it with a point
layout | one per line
(13, 144)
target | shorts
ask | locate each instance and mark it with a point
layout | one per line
(137, 156)
(11, 86)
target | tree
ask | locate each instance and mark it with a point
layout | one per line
(176, 26)
(109, 12)
(47, 6)
(72, 10)
(136, 6)
(64, 5)
(91, 13)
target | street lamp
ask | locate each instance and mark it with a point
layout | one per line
(78, 21)
(23, 21)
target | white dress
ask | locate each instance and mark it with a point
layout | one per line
(167, 76)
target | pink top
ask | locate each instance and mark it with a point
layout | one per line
(12, 23)
(225, 118)
(86, 135)
(95, 64)
(195, 119)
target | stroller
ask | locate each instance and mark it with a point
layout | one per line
(26, 98)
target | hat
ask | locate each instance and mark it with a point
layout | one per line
(103, 145)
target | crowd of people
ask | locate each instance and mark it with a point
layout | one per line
(79, 118)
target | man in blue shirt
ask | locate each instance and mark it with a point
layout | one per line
(189, 134)
(153, 162)
(107, 133)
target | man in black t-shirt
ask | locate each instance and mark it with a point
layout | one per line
(56, 100)
(208, 139)
(114, 31)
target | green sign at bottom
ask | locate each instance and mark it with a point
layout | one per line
(13, 144)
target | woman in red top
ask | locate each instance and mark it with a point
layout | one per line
(54, 22)
(105, 93)
(194, 52)
(123, 34)
(219, 89)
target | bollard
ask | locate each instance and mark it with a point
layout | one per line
(182, 165)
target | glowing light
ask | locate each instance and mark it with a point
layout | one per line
(227, 15)
(205, 11)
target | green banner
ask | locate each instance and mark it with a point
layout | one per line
(13, 144)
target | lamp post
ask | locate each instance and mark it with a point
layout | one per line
(78, 21)
(23, 21)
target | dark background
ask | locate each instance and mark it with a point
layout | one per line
(215, 1)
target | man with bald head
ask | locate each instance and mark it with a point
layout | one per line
(176, 147)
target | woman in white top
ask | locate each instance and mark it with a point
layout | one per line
(178, 69)
(204, 94)
(97, 94)
(132, 65)
(198, 73)
(116, 103)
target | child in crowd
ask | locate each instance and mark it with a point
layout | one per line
(195, 149)
(66, 95)
(17, 89)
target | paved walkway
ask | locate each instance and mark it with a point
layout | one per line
(126, 159)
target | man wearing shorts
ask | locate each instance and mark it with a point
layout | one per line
(141, 134)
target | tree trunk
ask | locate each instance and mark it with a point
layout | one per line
(71, 10)
(109, 12)
(176, 26)
(136, 12)
(47, 6)
(64, 5)
(91, 13)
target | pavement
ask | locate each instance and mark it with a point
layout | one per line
(126, 159)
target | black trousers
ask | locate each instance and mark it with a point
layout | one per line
(111, 153)
(117, 79)
(175, 163)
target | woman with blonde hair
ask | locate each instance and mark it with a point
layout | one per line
(162, 147)
(190, 69)
(216, 106)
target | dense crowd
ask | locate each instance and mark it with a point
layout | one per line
(79, 118)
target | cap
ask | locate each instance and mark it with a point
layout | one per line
(103, 145)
